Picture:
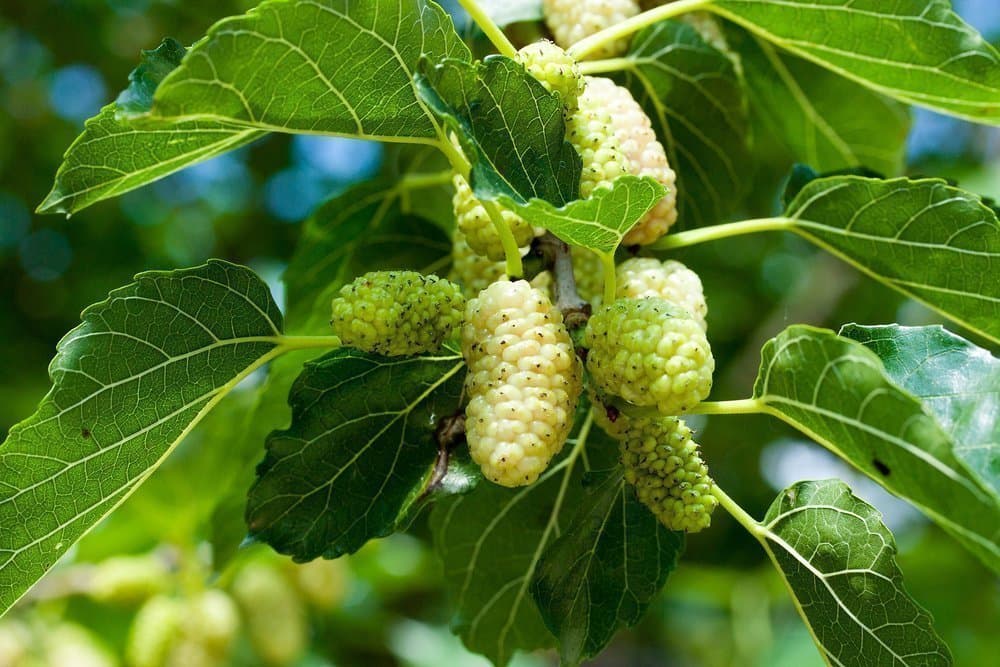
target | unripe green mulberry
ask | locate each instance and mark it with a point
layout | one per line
(555, 69)
(524, 382)
(665, 466)
(638, 278)
(591, 130)
(397, 312)
(649, 353)
(645, 154)
(477, 226)
(572, 20)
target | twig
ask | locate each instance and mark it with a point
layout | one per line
(558, 258)
(450, 432)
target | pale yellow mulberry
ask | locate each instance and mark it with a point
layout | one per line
(572, 20)
(642, 277)
(523, 384)
(645, 154)
(591, 130)
(555, 69)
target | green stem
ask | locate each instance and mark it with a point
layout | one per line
(738, 513)
(633, 25)
(747, 406)
(717, 232)
(461, 165)
(489, 28)
(515, 268)
(291, 343)
(610, 284)
(590, 67)
(419, 180)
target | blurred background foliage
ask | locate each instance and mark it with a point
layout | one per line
(60, 61)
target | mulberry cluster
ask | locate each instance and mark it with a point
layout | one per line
(477, 226)
(591, 131)
(555, 69)
(649, 353)
(644, 153)
(638, 278)
(397, 312)
(524, 382)
(665, 466)
(573, 20)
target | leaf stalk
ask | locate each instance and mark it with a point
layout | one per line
(489, 28)
(633, 25)
(718, 232)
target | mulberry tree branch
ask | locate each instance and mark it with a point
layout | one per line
(558, 258)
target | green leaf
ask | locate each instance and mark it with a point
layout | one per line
(694, 95)
(358, 454)
(154, 67)
(128, 384)
(918, 51)
(958, 381)
(599, 222)
(800, 106)
(316, 66)
(838, 560)
(343, 237)
(604, 570)
(511, 129)
(927, 239)
(837, 391)
(115, 155)
(491, 542)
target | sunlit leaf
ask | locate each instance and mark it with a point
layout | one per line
(839, 561)
(838, 392)
(918, 51)
(128, 384)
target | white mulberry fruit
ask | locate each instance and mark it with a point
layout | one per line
(665, 466)
(555, 69)
(477, 226)
(572, 20)
(638, 278)
(650, 353)
(524, 382)
(397, 312)
(591, 130)
(644, 153)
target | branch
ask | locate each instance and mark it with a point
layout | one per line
(559, 259)
(450, 433)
